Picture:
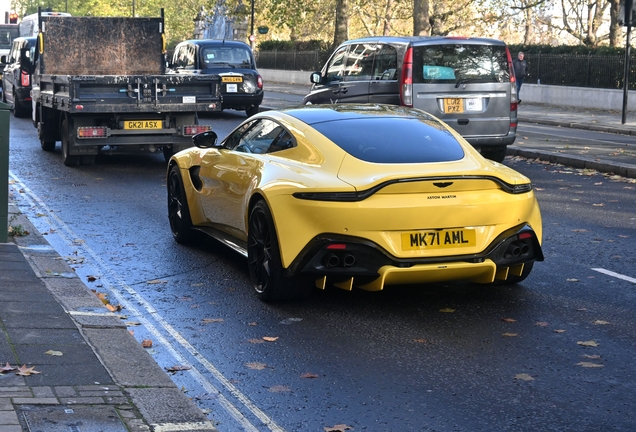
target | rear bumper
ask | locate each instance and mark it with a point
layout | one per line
(241, 101)
(486, 142)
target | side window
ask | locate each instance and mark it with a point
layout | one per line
(283, 142)
(260, 137)
(179, 56)
(234, 139)
(385, 65)
(189, 57)
(359, 64)
(333, 71)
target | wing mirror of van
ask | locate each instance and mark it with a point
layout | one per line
(316, 78)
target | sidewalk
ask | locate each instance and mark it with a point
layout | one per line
(93, 375)
(604, 157)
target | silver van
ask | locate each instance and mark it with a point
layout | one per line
(469, 83)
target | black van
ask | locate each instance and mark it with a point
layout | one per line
(469, 83)
(16, 77)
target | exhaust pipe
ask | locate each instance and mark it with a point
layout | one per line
(332, 260)
(349, 260)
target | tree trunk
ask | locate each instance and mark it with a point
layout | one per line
(615, 33)
(341, 32)
(387, 18)
(421, 25)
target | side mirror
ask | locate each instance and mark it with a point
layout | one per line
(205, 140)
(315, 78)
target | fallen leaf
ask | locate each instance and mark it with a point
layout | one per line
(309, 375)
(26, 371)
(582, 310)
(279, 389)
(589, 365)
(7, 368)
(598, 205)
(157, 281)
(270, 338)
(256, 365)
(54, 353)
(600, 322)
(420, 340)
(510, 334)
(211, 320)
(146, 343)
(592, 356)
(559, 331)
(337, 428)
(509, 320)
(573, 280)
(447, 310)
(524, 377)
(589, 343)
(253, 324)
(91, 278)
(177, 368)
(256, 341)
(579, 230)
(132, 323)
(112, 308)
(542, 324)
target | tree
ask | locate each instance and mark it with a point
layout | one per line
(341, 32)
(421, 25)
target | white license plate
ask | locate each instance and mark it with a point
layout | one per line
(231, 88)
(474, 104)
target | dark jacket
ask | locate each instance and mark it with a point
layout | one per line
(520, 67)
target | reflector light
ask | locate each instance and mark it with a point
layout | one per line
(25, 79)
(406, 80)
(337, 246)
(195, 129)
(524, 236)
(92, 132)
(79, 107)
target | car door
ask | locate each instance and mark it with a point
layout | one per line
(11, 72)
(384, 86)
(357, 73)
(328, 90)
(230, 174)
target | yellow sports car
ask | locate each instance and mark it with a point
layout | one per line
(354, 196)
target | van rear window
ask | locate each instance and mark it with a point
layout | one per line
(394, 140)
(460, 63)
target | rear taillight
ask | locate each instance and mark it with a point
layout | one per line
(92, 132)
(195, 129)
(25, 79)
(259, 81)
(513, 82)
(406, 80)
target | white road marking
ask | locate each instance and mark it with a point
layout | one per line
(616, 275)
(68, 236)
(179, 427)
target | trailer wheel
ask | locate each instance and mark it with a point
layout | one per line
(68, 139)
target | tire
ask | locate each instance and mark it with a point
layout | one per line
(263, 257)
(254, 109)
(167, 153)
(517, 279)
(47, 146)
(178, 211)
(497, 154)
(68, 138)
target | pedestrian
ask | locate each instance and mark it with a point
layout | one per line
(520, 65)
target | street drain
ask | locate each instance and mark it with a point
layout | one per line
(76, 419)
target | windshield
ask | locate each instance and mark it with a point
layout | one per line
(226, 57)
(7, 36)
(460, 63)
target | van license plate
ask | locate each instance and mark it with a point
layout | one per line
(453, 105)
(143, 124)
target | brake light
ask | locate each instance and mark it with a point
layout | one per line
(25, 79)
(92, 132)
(259, 82)
(513, 82)
(406, 80)
(337, 246)
(195, 129)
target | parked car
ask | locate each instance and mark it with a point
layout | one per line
(8, 32)
(233, 61)
(469, 83)
(16, 77)
(354, 196)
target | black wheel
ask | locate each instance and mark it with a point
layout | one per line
(263, 257)
(47, 146)
(497, 154)
(68, 138)
(517, 279)
(252, 110)
(18, 110)
(178, 212)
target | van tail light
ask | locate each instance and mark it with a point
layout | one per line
(259, 82)
(25, 79)
(513, 82)
(406, 80)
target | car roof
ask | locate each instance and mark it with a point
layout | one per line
(424, 40)
(216, 42)
(311, 114)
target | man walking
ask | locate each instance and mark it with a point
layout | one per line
(520, 66)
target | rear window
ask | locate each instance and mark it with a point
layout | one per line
(225, 56)
(460, 63)
(393, 139)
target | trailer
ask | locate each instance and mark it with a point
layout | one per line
(99, 86)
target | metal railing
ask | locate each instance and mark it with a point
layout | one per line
(555, 69)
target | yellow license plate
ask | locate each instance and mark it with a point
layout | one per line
(143, 124)
(453, 105)
(438, 239)
(232, 79)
